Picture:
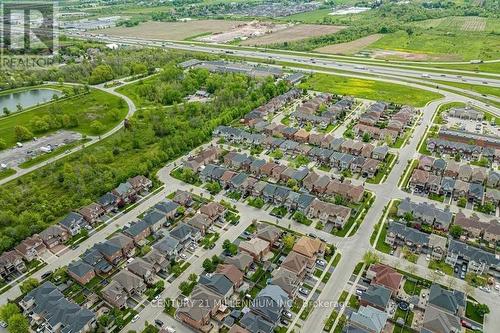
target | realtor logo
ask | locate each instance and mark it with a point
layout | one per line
(29, 29)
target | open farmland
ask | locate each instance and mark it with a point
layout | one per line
(173, 30)
(350, 47)
(294, 33)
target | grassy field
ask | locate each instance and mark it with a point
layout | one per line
(369, 89)
(482, 89)
(108, 109)
(441, 45)
(314, 16)
(350, 47)
(6, 173)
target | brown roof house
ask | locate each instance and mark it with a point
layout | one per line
(54, 235)
(256, 247)
(286, 280)
(91, 213)
(183, 198)
(242, 261)
(142, 269)
(309, 247)
(297, 263)
(31, 247)
(81, 272)
(386, 276)
(327, 212)
(125, 243)
(269, 233)
(11, 262)
(140, 183)
(232, 273)
(213, 210)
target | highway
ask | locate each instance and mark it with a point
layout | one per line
(275, 55)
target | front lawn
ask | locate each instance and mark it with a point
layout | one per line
(412, 288)
(442, 266)
(472, 313)
(280, 211)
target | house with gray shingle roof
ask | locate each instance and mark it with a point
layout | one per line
(369, 318)
(138, 231)
(477, 260)
(376, 296)
(451, 301)
(168, 246)
(437, 320)
(167, 207)
(81, 271)
(73, 223)
(399, 234)
(95, 259)
(217, 283)
(185, 233)
(154, 219)
(46, 304)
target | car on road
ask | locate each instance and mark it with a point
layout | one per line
(3, 324)
(485, 289)
(428, 257)
(359, 292)
(462, 275)
(158, 322)
(303, 291)
(312, 235)
(46, 275)
(183, 256)
(136, 318)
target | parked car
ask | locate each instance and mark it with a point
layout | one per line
(183, 256)
(136, 318)
(3, 324)
(287, 314)
(303, 291)
(158, 322)
(428, 257)
(321, 262)
(46, 275)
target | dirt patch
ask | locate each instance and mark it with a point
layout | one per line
(293, 33)
(173, 30)
(400, 55)
(350, 47)
(243, 32)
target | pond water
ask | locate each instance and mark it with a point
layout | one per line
(26, 98)
(350, 10)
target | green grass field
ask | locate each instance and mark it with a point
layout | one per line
(482, 89)
(369, 89)
(443, 45)
(108, 109)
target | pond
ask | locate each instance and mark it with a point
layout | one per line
(26, 99)
(350, 10)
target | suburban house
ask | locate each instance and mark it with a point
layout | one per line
(196, 314)
(310, 248)
(185, 233)
(269, 233)
(143, 269)
(425, 213)
(91, 213)
(140, 183)
(297, 264)
(138, 231)
(376, 296)
(286, 280)
(167, 207)
(96, 259)
(399, 234)
(183, 198)
(329, 213)
(47, 305)
(157, 259)
(108, 202)
(367, 319)
(30, 248)
(232, 273)
(130, 282)
(169, 247)
(115, 294)
(266, 310)
(200, 222)
(11, 263)
(478, 261)
(451, 301)
(54, 235)
(242, 261)
(125, 243)
(256, 247)
(437, 320)
(214, 211)
(73, 223)
(217, 283)
(385, 276)
(81, 272)
(111, 252)
(154, 219)
(125, 193)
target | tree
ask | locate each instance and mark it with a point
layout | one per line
(193, 277)
(185, 288)
(370, 258)
(366, 137)
(101, 73)
(230, 247)
(28, 285)
(6, 111)
(3, 145)
(96, 127)
(22, 133)
(208, 265)
(8, 310)
(408, 216)
(18, 324)
(462, 202)
(288, 242)
(456, 231)
(482, 309)
(104, 320)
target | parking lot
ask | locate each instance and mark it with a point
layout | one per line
(473, 126)
(19, 154)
